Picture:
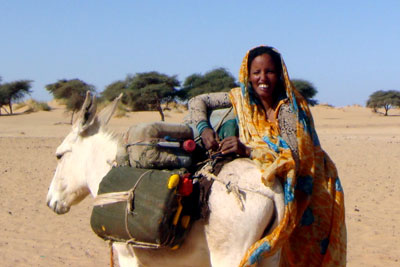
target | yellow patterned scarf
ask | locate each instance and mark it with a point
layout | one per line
(312, 231)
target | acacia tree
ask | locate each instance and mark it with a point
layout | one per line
(216, 80)
(72, 92)
(148, 90)
(384, 99)
(114, 89)
(306, 89)
(13, 91)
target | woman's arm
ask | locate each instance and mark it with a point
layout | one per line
(199, 109)
(200, 106)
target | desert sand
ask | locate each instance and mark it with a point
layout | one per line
(365, 147)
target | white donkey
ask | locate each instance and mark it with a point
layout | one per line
(87, 154)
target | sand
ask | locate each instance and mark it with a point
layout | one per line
(365, 147)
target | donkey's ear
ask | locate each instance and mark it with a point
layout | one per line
(87, 114)
(107, 112)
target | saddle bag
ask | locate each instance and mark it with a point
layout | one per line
(145, 208)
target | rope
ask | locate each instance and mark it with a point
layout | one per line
(129, 203)
(110, 243)
(218, 125)
(138, 244)
(114, 197)
(216, 128)
(109, 198)
(237, 191)
(127, 145)
(206, 172)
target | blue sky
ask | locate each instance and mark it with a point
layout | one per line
(347, 49)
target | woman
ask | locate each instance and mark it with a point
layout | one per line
(277, 132)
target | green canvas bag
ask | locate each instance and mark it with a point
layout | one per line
(151, 213)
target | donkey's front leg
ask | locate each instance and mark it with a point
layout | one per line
(126, 258)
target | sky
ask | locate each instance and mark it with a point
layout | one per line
(347, 49)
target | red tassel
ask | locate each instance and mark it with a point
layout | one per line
(186, 186)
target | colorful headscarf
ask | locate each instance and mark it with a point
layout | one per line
(312, 231)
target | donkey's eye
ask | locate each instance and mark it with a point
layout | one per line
(61, 153)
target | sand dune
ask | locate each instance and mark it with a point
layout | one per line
(365, 147)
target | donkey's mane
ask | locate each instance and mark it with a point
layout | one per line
(111, 135)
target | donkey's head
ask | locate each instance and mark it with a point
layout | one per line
(82, 157)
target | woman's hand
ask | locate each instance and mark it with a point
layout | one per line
(208, 136)
(232, 144)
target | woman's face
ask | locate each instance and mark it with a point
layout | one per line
(263, 76)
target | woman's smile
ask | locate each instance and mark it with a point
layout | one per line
(263, 76)
(263, 86)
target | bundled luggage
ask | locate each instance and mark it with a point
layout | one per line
(160, 145)
(149, 200)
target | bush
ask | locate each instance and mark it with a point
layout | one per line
(384, 99)
(32, 105)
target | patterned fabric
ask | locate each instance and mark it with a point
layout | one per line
(201, 105)
(312, 231)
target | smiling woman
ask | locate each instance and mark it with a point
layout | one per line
(276, 131)
(265, 78)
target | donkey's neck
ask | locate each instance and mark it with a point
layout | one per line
(103, 149)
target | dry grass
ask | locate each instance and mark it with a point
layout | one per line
(32, 105)
(175, 107)
(325, 105)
